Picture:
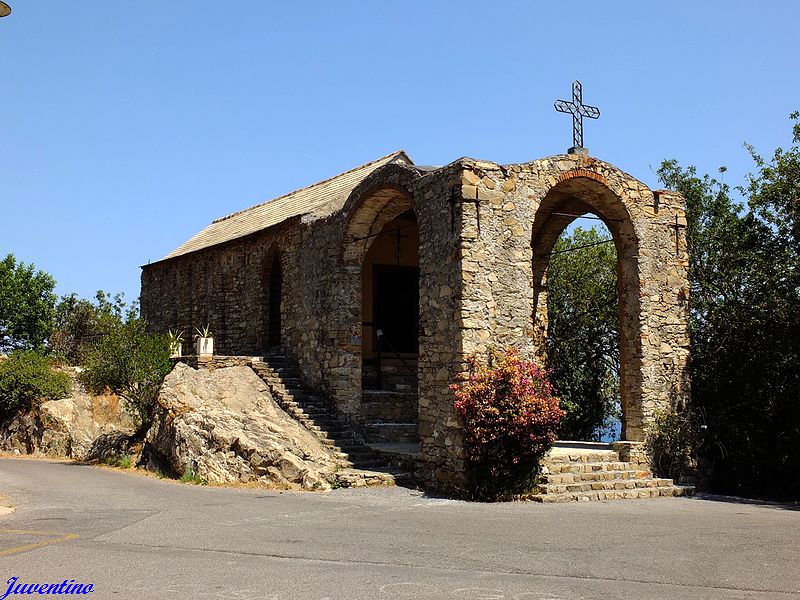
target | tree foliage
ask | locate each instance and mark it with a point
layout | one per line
(124, 357)
(26, 377)
(745, 293)
(26, 305)
(510, 418)
(78, 322)
(582, 336)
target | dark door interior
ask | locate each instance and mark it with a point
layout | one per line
(275, 286)
(396, 307)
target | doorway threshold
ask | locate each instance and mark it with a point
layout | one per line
(579, 445)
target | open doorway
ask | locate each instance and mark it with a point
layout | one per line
(274, 285)
(582, 346)
(620, 354)
(390, 304)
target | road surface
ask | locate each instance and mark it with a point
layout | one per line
(140, 537)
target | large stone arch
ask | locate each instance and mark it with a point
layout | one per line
(652, 275)
(575, 194)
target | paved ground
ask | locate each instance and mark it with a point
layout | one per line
(138, 537)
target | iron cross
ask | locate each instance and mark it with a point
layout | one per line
(578, 110)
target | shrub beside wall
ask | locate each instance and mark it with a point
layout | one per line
(510, 419)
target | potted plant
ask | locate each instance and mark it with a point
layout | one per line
(204, 341)
(175, 343)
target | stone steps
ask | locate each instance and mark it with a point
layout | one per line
(578, 472)
(391, 432)
(395, 376)
(593, 476)
(356, 460)
(626, 494)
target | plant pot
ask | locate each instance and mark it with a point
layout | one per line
(176, 350)
(204, 346)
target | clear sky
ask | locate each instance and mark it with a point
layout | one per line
(126, 127)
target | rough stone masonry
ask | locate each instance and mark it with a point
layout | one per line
(300, 272)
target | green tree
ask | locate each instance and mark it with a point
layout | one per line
(26, 305)
(583, 339)
(745, 292)
(26, 377)
(78, 322)
(125, 358)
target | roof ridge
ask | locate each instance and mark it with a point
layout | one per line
(395, 154)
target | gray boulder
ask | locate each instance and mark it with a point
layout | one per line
(223, 425)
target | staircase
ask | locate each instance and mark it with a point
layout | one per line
(359, 465)
(391, 410)
(582, 471)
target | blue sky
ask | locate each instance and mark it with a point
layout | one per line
(126, 127)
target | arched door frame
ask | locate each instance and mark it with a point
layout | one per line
(365, 220)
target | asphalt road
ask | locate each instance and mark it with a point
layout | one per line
(139, 537)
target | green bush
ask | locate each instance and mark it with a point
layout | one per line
(189, 476)
(130, 362)
(674, 437)
(26, 377)
(510, 419)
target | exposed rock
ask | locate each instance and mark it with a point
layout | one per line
(68, 427)
(224, 426)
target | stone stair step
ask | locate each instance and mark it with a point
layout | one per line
(364, 478)
(582, 457)
(345, 445)
(349, 435)
(624, 494)
(616, 484)
(565, 478)
(356, 448)
(388, 432)
(588, 467)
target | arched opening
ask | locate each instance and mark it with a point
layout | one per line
(272, 284)
(390, 305)
(563, 204)
(582, 344)
(383, 250)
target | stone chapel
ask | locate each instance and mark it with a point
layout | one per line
(379, 282)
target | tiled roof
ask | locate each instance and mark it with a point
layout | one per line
(331, 192)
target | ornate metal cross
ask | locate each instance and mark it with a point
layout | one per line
(578, 110)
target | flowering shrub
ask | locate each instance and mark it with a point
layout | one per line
(510, 418)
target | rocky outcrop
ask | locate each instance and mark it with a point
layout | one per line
(222, 425)
(69, 427)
